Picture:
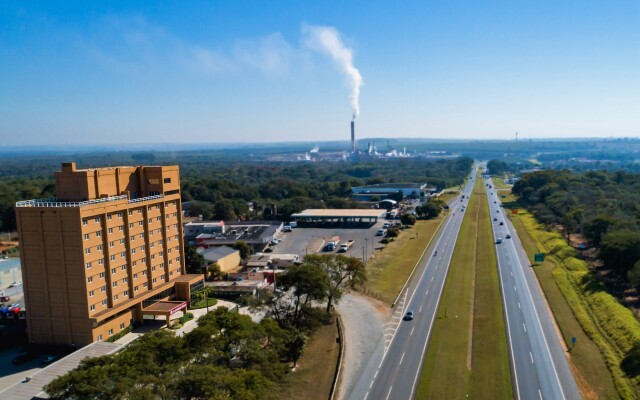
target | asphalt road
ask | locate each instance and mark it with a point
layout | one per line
(539, 367)
(396, 374)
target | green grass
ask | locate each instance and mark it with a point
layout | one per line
(203, 304)
(390, 268)
(450, 372)
(314, 375)
(588, 364)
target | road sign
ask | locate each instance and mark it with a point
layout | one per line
(538, 257)
(573, 340)
(503, 196)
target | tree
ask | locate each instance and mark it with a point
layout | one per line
(296, 342)
(302, 285)
(429, 210)
(342, 272)
(595, 229)
(224, 210)
(194, 261)
(214, 271)
(497, 167)
(244, 248)
(633, 276)
(620, 250)
(408, 219)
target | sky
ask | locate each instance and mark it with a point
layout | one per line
(118, 72)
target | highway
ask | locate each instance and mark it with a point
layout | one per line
(539, 367)
(395, 374)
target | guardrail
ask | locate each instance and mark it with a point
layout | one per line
(336, 375)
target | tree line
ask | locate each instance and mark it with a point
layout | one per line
(603, 206)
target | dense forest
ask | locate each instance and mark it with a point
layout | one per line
(603, 206)
(222, 189)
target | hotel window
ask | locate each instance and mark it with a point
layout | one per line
(119, 214)
(123, 255)
(124, 280)
(142, 248)
(90, 279)
(110, 332)
(86, 236)
(157, 207)
(154, 280)
(122, 326)
(161, 277)
(153, 256)
(101, 261)
(99, 338)
(112, 257)
(171, 273)
(84, 221)
(170, 262)
(124, 267)
(115, 297)
(151, 245)
(121, 228)
(153, 268)
(98, 234)
(140, 223)
(110, 230)
(93, 307)
(132, 237)
(102, 275)
(134, 263)
(175, 214)
(88, 265)
(144, 284)
(169, 251)
(109, 217)
(142, 236)
(135, 289)
(140, 210)
(97, 219)
(104, 302)
(114, 284)
(158, 218)
(103, 289)
(169, 239)
(159, 231)
(99, 247)
(150, 221)
(144, 273)
(125, 293)
(148, 208)
(176, 237)
(130, 212)
(113, 270)
(91, 293)
(166, 216)
(135, 276)
(143, 260)
(131, 225)
(133, 251)
(151, 232)
(160, 241)
(167, 180)
(112, 243)
(87, 250)
(121, 241)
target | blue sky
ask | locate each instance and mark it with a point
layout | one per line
(243, 71)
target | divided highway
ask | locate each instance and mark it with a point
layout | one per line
(539, 367)
(396, 376)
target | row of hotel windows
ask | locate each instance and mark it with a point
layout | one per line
(85, 221)
(124, 268)
(87, 236)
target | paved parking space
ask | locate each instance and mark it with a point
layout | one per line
(306, 240)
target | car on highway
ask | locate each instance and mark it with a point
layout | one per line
(501, 223)
(381, 232)
(23, 357)
(508, 237)
(408, 316)
(386, 225)
(495, 219)
(498, 240)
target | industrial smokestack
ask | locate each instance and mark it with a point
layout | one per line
(353, 136)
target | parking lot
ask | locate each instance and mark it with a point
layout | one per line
(309, 240)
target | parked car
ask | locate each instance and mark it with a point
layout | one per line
(23, 357)
(386, 225)
(5, 299)
(287, 228)
(12, 306)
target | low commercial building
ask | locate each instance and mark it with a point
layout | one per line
(257, 234)
(194, 229)
(273, 260)
(384, 190)
(227, 258)
(338, 217)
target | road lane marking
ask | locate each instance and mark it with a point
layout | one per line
(525, 327)
(519, 306)
(371, 384)
(366, 395)
(389, 394)
(411, 333)
(420, 309)
(376, 375)
(531, 355)
(515, 288)
(540, 393)
(511, 273)
(427, 292)
(401, 358)
(432, 279)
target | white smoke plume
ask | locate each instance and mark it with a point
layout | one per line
(326, 40)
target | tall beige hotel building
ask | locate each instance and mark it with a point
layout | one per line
(104, 253)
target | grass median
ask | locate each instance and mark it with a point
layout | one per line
(467, 356)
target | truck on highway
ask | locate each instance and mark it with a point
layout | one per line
(346, 246)
(333, 243)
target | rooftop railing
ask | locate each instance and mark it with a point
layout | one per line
(53, 202)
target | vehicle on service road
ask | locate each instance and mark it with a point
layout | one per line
(344, 247)
(508, 236)
(287, 228)
(381, 232)
(408, 316)
(498, 240)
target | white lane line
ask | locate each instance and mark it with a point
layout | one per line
(366, 395)
(525, 327)
(389, 394)
(511, 274)
(531, 355)
(540, 394)
(519, 306)
(515, 288)
(376, 374)
(427, 292)
(432, 279)
(401, 358)
(411, 333)
(420, 309)
(371, 384)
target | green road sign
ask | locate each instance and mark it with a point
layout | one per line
(538, 257)
(504, 197)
